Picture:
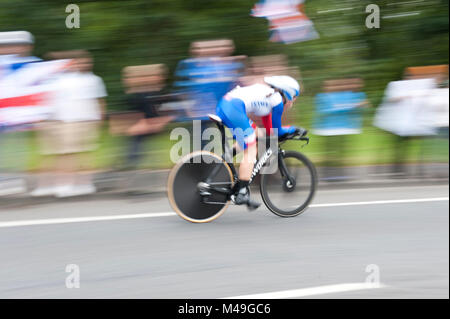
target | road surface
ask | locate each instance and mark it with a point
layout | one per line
(139, 248)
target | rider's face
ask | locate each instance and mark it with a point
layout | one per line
(289, 104)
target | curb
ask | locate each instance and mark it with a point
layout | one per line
(148, 183)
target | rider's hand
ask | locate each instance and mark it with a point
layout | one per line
(300, 131)
(293, 131)
(286, 130)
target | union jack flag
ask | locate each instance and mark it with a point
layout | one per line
(25, 85)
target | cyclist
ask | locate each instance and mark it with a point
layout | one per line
(268, 101)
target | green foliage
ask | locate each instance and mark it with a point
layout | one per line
(121, 33)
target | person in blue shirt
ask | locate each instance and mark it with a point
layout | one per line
(338, 114)
(206, 77)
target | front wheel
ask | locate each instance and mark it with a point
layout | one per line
(289, 191)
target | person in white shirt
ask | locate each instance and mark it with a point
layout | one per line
(72, 133)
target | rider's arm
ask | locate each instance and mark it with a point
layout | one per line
(277, 113)
(267, 122)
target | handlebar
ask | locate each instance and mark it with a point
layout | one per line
(300, 135)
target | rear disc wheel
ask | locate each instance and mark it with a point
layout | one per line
(183, 192)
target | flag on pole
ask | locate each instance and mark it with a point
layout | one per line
(287, 21)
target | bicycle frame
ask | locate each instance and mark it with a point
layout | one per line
(208, 187)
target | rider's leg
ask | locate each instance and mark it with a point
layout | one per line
(241, 194)
(234, 117)
(248, 162)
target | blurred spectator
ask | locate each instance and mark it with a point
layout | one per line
(144, 87)
(338, 115)
(206, 77)
(439, 103)
(408, 112)
(16, 48)
(268, 65)
(73, 132)
(15, 53)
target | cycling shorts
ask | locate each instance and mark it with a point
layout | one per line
(233, 115)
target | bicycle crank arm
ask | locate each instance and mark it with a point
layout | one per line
(214, 203)
(206, 189)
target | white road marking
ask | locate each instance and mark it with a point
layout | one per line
(313, 291)
(80, 219)
(52, 221)
(378, 202)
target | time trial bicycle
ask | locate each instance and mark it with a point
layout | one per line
(201, 184)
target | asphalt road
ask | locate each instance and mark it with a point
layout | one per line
(404, 244)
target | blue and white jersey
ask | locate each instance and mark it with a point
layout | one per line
(259, 99)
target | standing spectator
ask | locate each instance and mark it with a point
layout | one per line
(15, 52)
(338, 115)
(266, 65)
(16, 48)
(73, 133)
(434, 113)
(406, 112)
(145, 92)
(439, 103)
(206, 77)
